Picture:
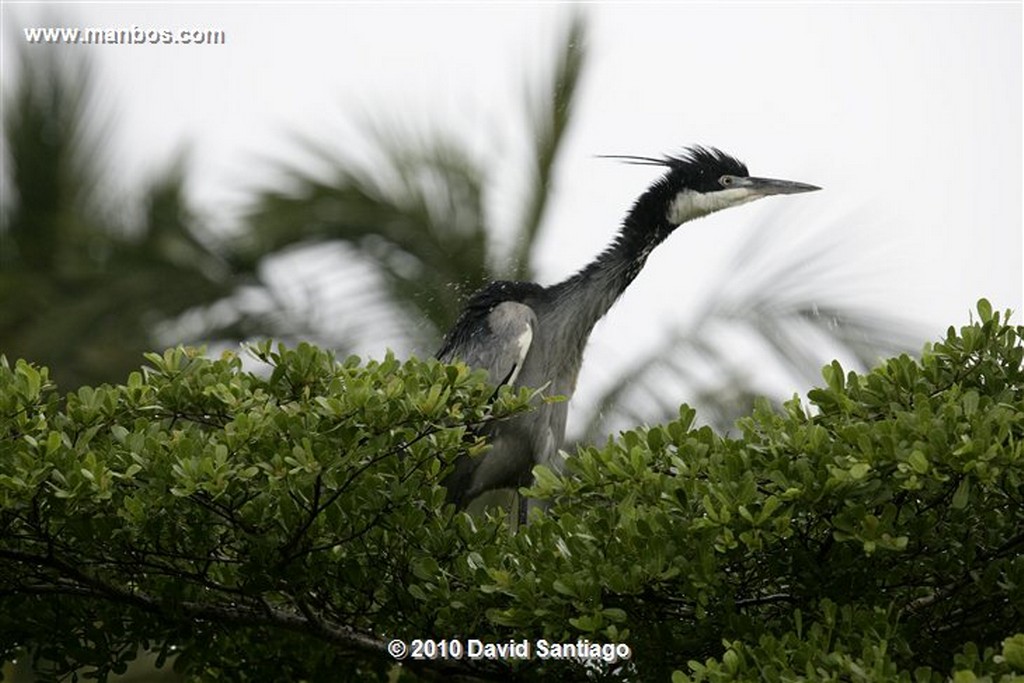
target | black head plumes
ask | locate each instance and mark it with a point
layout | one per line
(697, 168)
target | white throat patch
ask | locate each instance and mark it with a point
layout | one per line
(689, 204)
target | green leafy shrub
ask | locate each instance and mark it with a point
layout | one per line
(870, 538)
(232, 519)
(286, 527)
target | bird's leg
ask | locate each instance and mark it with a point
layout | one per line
(522, 503)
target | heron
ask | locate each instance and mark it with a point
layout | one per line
(528, 335)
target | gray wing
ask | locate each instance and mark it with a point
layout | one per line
(498, 344)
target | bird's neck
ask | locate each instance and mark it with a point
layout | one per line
(592, 291)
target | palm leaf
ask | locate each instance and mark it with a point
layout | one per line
(54, 163)
(550, 114)
(414, 207)
(415, 213)
(82, 284)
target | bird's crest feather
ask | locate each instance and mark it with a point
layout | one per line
(694, 156)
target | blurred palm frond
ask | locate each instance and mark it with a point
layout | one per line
(416, 208)
(83, 276)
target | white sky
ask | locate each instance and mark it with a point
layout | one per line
(909, 115)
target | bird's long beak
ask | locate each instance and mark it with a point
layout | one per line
(764, 187)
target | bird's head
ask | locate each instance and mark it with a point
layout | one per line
(703, 180)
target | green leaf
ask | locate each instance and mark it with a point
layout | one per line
(54, 440)
(984, 310)
(119, 433)
(859, 470)
(563, 588)
(918, 461)
(1013, 652)
(615, 614)
(962, 494)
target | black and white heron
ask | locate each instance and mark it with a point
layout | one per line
(527, 335)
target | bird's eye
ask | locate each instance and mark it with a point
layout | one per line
(725, 181)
